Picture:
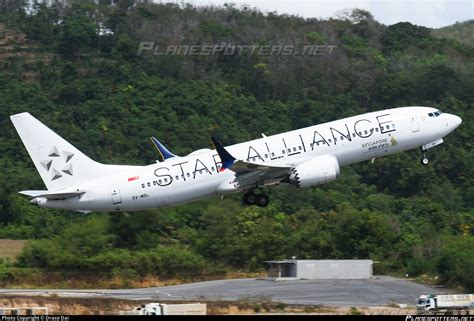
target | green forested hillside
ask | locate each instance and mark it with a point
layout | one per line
(64, 66)
(460, 31)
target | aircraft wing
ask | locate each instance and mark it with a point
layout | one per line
(241, 167)
(250, 173)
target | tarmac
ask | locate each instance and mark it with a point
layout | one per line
(377, 291)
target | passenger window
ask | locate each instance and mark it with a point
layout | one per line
(436, 114)
(430, 114)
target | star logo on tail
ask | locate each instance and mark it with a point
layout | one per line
(54, 164)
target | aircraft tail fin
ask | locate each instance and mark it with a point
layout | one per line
(59, 163)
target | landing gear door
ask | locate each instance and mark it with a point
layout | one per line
(415, 125)
(115, 192)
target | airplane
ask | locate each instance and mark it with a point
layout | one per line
(303, 158)
(162, 150)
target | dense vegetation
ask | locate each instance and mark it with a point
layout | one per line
(460, 31)
(77, 70)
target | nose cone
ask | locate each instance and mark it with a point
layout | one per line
(453, 121)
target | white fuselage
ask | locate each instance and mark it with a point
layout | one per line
(183, 179)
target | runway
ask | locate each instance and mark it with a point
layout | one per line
(378, 291)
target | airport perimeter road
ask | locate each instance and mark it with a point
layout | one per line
(381, 290)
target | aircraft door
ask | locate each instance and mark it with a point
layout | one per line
(115, 192)
(415, 125)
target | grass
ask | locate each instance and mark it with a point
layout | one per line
(22, 277)
(9, 249)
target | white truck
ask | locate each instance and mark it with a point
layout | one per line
(168, 309)
(444, 303)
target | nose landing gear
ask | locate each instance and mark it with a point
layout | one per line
(261, 199)
(424, 160)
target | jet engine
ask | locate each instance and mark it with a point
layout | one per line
(319, 170)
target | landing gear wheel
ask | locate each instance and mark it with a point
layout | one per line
(262, 200)
(424, 160)
(249, 198)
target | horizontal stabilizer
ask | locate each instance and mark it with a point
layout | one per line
(33, 193)
(164, 152)
(52, 195)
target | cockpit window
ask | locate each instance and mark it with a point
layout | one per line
(435, 114)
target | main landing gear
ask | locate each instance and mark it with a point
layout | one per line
(424, 160)
(261, 199)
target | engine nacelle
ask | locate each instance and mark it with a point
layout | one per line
(316, 171)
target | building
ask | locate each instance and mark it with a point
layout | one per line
(320, 269)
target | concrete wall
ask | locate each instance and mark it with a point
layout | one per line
(334, 269)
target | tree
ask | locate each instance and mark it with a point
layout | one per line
(403, 35)
(78, 34)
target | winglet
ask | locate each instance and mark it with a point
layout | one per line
(164, 152)
(227, 159)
